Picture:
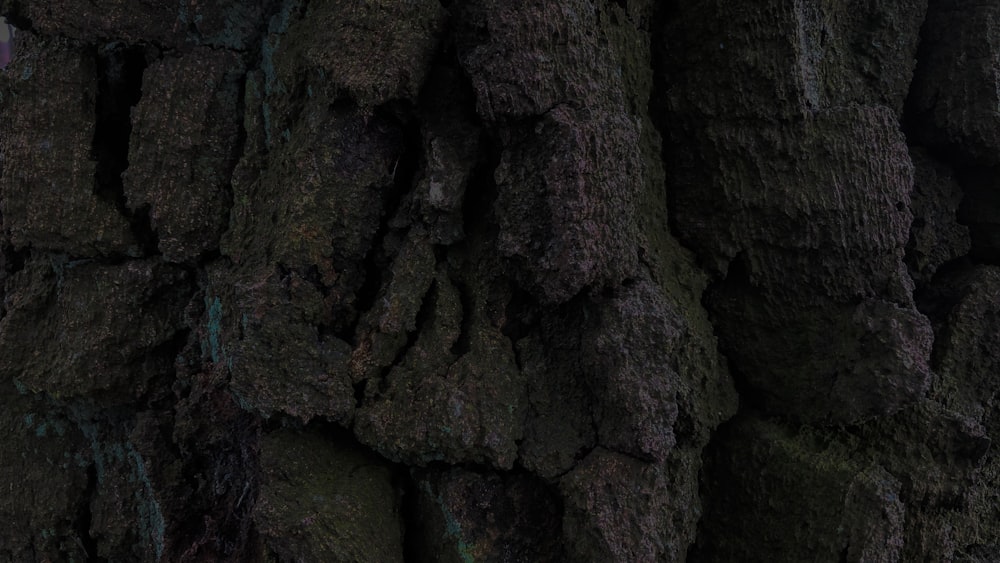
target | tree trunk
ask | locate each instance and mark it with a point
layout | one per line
(483, 280)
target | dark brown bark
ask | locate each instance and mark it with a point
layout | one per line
(482, 280)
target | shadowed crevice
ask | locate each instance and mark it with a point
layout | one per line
(406, 170)
(481, 191)
(119, 88)
(84, 517)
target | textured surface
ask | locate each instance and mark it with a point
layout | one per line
(49, 169)
(322, 502)
(484, 281)
(182, 151)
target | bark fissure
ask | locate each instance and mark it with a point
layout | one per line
(119, 88)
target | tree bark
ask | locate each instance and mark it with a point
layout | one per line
(482, 280)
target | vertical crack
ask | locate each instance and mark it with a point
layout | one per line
(463, 343)
(406, 174)
(481, 189)
(414, 526)
(84, 518)
(119, 87)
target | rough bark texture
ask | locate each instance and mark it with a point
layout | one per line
(483, 280)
